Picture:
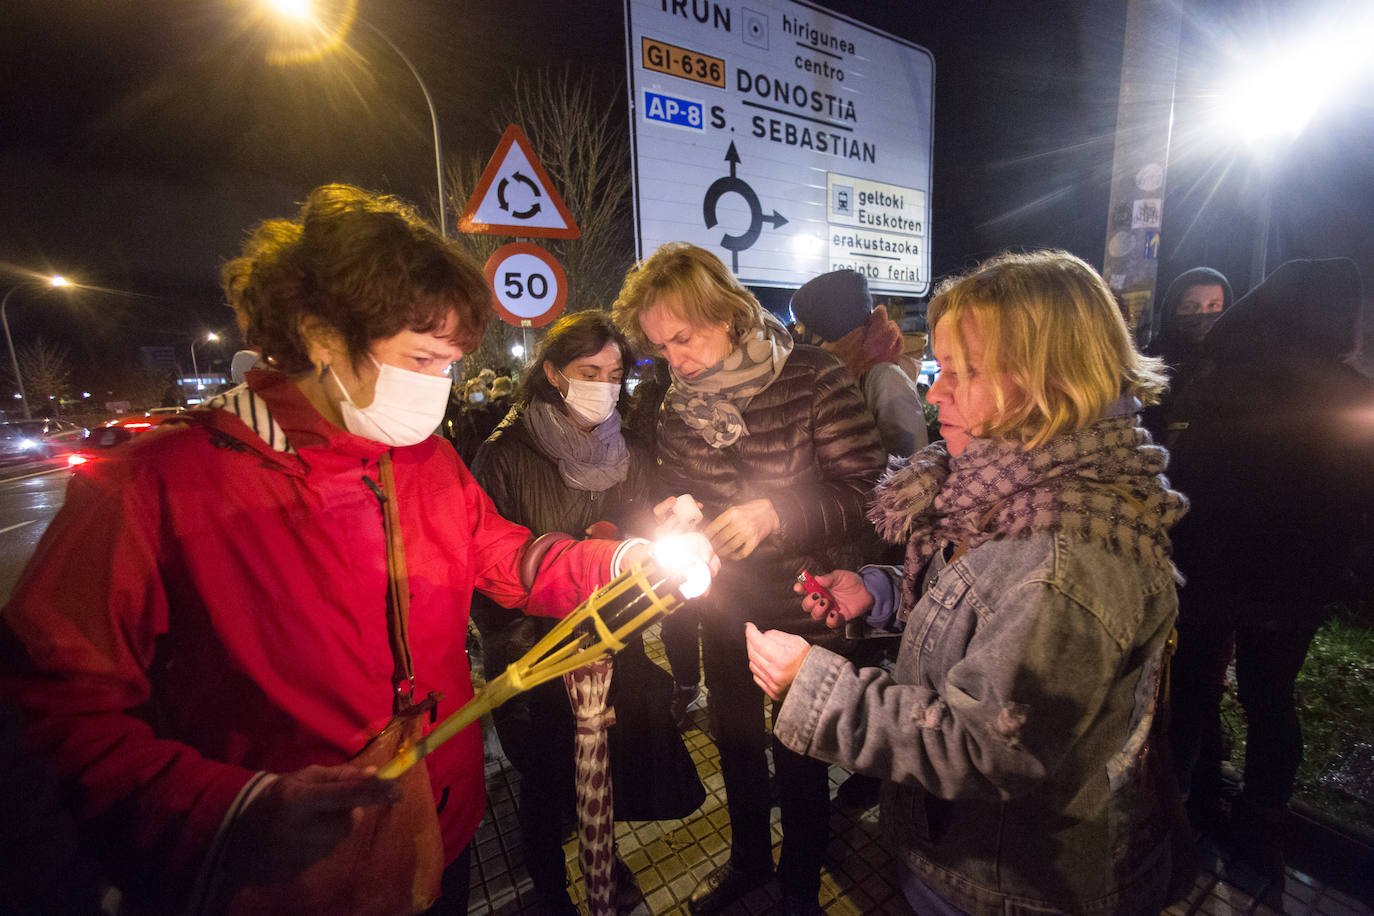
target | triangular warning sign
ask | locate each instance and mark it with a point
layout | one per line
(515, 197)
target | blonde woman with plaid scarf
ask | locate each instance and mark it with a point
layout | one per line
(1034, 606)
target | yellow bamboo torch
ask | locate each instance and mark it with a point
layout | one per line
(599, 626)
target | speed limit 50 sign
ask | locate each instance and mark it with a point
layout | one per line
(530, 286)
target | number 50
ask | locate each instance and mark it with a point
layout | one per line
(537, 285)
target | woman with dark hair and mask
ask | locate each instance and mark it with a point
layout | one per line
(222, 615)
(560, 461)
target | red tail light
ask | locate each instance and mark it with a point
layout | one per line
(74, 459)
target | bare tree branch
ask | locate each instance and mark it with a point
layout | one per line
(586, 154)
(47, 373)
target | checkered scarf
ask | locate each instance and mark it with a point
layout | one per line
(712, 402)
(1102, 483)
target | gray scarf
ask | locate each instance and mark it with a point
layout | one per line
(1103, 483)
(711, 403)
(594, 461)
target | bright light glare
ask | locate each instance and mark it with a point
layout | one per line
(517, 351)
(74, 460)
(59, 280)
(1282, 90)
(296, 9)
(679, 554)
(211, 337)
(307, 34)
(806, 246)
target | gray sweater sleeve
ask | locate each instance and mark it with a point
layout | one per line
(896, 404)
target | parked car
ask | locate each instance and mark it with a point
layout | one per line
(43, 437)
(116, 432)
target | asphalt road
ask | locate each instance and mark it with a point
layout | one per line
(30, 495)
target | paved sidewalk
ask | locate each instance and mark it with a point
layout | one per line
(670, 857)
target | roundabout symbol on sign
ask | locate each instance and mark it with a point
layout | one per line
(724, 185)
(529, 284)
(504, 205)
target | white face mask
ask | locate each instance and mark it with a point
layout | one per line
(406, 406)
(594, 402)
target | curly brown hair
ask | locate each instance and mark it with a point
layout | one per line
(365, 264)
(574, 336)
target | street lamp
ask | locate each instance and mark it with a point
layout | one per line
(210, 337)
(55, 282)
(300, 10)
(1279, 90)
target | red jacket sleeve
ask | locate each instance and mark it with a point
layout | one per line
(83, 627)
(568, 572)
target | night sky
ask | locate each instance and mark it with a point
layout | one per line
(141, 139)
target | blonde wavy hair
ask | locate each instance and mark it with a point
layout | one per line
(706, 291)
(1054, 331)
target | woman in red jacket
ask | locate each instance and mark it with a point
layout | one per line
(201, 642)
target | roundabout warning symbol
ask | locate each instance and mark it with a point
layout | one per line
(732, 183)
(515, 197)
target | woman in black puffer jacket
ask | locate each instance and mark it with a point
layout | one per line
(559, 462)
(775, 441)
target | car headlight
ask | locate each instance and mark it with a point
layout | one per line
(27, 444)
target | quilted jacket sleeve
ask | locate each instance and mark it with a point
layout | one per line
(848, 459)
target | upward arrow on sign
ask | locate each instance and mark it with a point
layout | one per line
(515, 197)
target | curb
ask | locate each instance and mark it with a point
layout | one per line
(1330, 852)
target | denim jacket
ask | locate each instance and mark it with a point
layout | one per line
(1013, 729)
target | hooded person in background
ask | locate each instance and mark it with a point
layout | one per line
(1272, 439)
(835, 311)
(1191, 305)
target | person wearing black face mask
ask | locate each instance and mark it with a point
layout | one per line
(1191, 305)
(1273, 443)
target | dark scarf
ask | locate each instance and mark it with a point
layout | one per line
(1103, 483)
(594, 461)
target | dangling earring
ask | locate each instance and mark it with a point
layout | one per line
(321, 368)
